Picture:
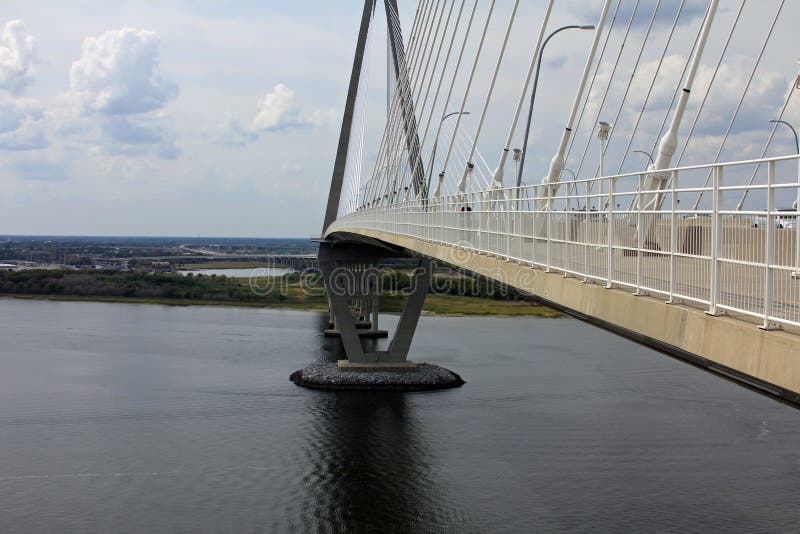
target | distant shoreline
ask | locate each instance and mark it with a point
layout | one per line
(290, 291)
(518, 310)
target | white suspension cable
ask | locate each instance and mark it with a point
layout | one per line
(469, 82)
(436, 99)
(610, 82)
(741, 99)
(711, 83)
(551, 181)
(413, 46)
(488, 98)
(628, 86)
(690, 68)
(438, 89)
(480, 162)
(793, 87)
(591, 83)
(449, 94)
(404, 87)
(416, 168)
(352, 172)
(466, 140)
(652, 84)
(500, 170)
(413, 125)
(404, 122)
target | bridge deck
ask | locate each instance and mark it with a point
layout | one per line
(725, 344)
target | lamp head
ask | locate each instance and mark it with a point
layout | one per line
(589, 27)
(517, 154)
(602, 133)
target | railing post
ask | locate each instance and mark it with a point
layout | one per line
(479, 214)
(567, 234)
(549, 228)
(796, 272)
(673, 234)
(586, 233)
(769, 253)
(508, 227)
(533, 223)
(447, 232)
(715, 241)
(426, 219)
(612, 182)
(639, 236)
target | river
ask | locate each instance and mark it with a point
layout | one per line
(147, 418)
(240, 273)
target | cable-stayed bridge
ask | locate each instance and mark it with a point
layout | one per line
(665, 208)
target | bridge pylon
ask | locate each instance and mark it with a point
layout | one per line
(354, 284)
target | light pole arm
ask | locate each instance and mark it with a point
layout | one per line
(794, 131)
(436, 143)
(557, 163)
(533, 94)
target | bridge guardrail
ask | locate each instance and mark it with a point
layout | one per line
(719, 235)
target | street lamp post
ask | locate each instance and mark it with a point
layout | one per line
(533, 93)
(602, 135)
(796, 206)
(436, 142)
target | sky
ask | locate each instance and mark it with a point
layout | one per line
(216, 119)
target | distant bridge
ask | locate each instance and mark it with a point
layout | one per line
(701, 261)
(295, 261)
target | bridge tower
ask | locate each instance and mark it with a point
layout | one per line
(349, 266)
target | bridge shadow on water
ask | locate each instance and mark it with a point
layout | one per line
(369, 467)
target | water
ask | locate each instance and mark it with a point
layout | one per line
(117, 417)
(241, 273)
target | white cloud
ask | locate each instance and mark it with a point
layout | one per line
(21, 119)
(117, 97)
(29, 136)
(691, 10)
(117, 73)
(17, 56)
(21, 125)
(137, 135)
(235, 133)
(11, 116)
(276, 111)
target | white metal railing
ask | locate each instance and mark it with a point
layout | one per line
(725, 259)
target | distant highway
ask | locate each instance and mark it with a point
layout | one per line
(221, 256)
(202, 251)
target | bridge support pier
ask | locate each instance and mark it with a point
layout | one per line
(351, 277)
(353, 283)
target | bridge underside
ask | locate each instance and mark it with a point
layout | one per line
(765, 360)
(353, 281)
